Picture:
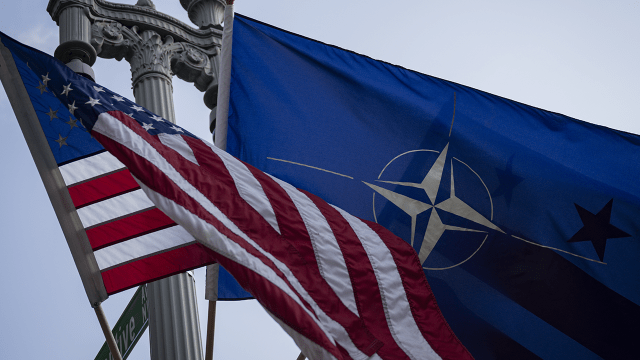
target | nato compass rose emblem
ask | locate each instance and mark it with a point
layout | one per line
(452, 204)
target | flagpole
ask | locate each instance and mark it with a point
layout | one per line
(224, 82)
(301, 356)
(211, 328)
(220, 140)
(106, 329)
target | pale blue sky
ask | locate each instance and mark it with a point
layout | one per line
(578, 58)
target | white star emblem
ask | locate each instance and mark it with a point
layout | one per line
(117, 98)
(147, 126)
(66, 90)
(435, 228)
(137, 108)
(93, 102)
(156, 118)
(98, 89)
(129, 115)
(175, 128)
(72, 108)
(45, 79)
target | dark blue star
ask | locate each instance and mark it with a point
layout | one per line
(508, 181)
(597, 228)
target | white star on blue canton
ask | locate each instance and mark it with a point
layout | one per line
(45, 79)
(129, 115)
(93, 102)
(98, 89)
(175, 128)
(117, 98)
(156, 118)
(66, 90)
(72, 108)
(137, 108)
(147, 126)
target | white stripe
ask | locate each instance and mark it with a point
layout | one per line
(114, 129)
(310, 349)
(221, 244)
(401, 323)
(325, 246)
(90, 167)
(114, 207)
(178, 143)
(142, 246)
(248, 186)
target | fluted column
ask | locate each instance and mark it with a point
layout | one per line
(174, 322)
(208, 14)
(156, 94)
(174, 329)
(75, 49)
(151, 73)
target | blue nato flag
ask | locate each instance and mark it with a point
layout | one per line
(525, 221)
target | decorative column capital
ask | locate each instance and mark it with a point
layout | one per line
(149, 52)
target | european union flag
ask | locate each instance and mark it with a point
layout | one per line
(526, 221)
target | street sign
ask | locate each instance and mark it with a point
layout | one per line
(130, 327)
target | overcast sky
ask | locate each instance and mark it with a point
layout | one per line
(578, 58)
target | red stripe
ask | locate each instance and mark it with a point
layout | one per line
(290, 221)
(295, 237)
(128, 228)
(363, 280)
(301, 322)
(274, 301)
(229, 201)
(422, 302)
(156, 267)
(102, 188)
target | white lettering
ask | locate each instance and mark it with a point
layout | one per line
(132, 326)
(125, 336)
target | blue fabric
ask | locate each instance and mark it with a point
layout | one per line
(546, 262)
(228, 287)
(45, 79)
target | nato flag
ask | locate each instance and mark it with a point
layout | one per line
(526, 221)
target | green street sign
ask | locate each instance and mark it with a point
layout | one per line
(130, 327)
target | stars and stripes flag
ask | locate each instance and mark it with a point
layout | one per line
(342, 287)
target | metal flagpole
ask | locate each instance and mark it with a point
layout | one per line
(106, 329)
(224, 82)
(220, 140)
(211, 294)
(211, 329)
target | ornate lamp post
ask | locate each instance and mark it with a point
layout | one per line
(157, 47)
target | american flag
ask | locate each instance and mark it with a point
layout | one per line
(342, 287)
(132, 242)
